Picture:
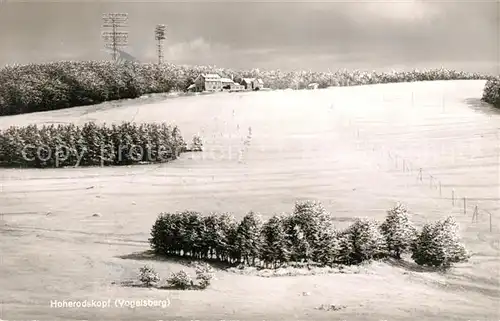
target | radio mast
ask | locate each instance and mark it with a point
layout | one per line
(112, 36)
(160, 37)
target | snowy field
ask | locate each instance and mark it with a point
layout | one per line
(358, 150)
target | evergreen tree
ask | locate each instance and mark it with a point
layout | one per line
(328, 247)
(248, 238)
(398, 231)
(305, 228)
(366, 241)
(300, 247)
(226, 247)
(438, 245)
(179, 145)
(148, 276)
(164, 235)
(343, 248)
(275, 247)
(212, 235)
(191, 233)
(92, 141)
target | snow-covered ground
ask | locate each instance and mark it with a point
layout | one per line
(345, 147)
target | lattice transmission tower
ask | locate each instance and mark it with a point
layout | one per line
(160, 37)
(113, 34)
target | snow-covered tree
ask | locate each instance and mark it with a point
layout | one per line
(226, 248)
(306, 227)
(344, 248)
(275, 247)
(438, 244)
(398, 231)
(197, 144)
(366, 241)
(328, 249)
(192, 233)
(211, 236)
(148, 276)
(181, 280)
(248, 238)
(204, 274)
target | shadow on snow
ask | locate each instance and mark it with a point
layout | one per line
(478, 105)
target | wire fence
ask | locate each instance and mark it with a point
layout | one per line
(460, 203)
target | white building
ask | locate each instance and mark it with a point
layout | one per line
(252, 83)
(230, 85)
(208, 82)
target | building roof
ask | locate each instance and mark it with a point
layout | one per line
(227, 80)
(259, 81)
(248, 80)
(210, 76)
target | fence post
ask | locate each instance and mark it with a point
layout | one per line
(420, 174)
(465, 206)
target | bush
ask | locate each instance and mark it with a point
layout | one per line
(181, 280)
(56, 85)
(148, 276)
(438, 245)
(88, 145)
(398, 231)
(204, 274)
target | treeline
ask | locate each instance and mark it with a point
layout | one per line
(57, 85)
(491, 92)
(89, 145)
(306, 235)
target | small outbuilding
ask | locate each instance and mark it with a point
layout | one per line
(252, 83)
(313, 85)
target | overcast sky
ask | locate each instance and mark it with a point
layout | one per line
(268, 35)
